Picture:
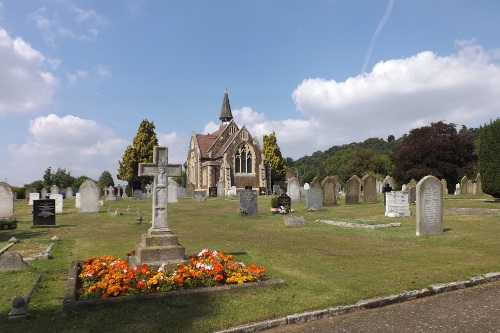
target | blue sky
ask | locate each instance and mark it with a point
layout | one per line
(78, 77)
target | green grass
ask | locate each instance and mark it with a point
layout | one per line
(323, 265)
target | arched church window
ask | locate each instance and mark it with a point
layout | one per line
(243, 160)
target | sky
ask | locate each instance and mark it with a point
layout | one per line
(78, 77)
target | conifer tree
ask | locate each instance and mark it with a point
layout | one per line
(141, 151)
(489, 157)
(273, 156)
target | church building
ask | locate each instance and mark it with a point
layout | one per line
(227, 158)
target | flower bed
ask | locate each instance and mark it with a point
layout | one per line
(109, 276)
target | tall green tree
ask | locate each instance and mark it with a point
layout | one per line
(141, 151)
(79, 181)
(105, 180)
(62, 178)
(489, 157)
(436, 150)
(47, 178)
(273, 156)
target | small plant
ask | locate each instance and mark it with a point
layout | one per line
(274, 202)
(284, 209)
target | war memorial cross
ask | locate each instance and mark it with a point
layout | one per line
(160, 170)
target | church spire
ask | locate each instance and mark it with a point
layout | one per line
(225, 111)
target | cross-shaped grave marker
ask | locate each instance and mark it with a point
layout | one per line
(160, 170)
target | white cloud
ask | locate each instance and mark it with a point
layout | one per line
(26, 84)
(177, 146)
(74, 77)
(81, 146)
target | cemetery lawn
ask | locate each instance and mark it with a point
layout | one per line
(323, 265)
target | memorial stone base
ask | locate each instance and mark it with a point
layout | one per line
(159, 248)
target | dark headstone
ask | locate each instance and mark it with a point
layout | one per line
(284, 200)
(248, 202)
(44, 212)
(212, 191)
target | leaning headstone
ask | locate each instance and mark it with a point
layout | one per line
(172, 191)
(412, 194)
(445, 186)
(314, 199)
(429, 206)
(89, 197)
(248, 203)
(370, 189)
(294, 189)
(44, 213)
(396, 204)
(43, 193)
(32, 197)
(221, 188)
(329, 197)
(6, 202)
(190, 189)
(58, 202)
(352, 191)
(479, 185)
(464, 182)
(12, 261)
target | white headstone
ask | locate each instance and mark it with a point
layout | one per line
(33, 196)
(294, 189)
(397, 204)
(54, 190)
(172, 191)
(59, 202)
(6, 201)
(77, 200)
(69, 192)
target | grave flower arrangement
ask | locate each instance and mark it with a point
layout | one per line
(284, 209)
(108, 276)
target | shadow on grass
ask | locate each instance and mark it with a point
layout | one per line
(447, 229)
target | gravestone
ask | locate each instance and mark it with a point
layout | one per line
(294, 189)
(412, 194)
(221, 188)
(148, 189)
(160, 245)
(314, 199)
(352, 191)
(6, 202)
(479, 185)
(388, 180)
(429, 206)
(386, 188)
(32, 197)
(458, 191)
(44, 213)
(397, 204)
(181, 192)
(306, 186)
(190, 189)
(137, 195)
(404, 188)
(445, 186)
(172, 191)
(12, 261)
(412, 182)
(69, 192)
(43, 193)
(58, 202)
(294, 221)
(464, 182)
(199, 194)
(110, 194)
(248, 202)
(232, 191)
(470, 187)
(316, 183)
(284, 200)
(212, 191)
(329, 197)
(77, 200)
(54, 190)
(89, 197)
(276, 189)
(370, 189)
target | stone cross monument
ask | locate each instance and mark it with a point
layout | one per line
(160, 244)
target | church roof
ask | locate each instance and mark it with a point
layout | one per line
(225, 111)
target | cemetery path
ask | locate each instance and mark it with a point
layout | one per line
(475, 309)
